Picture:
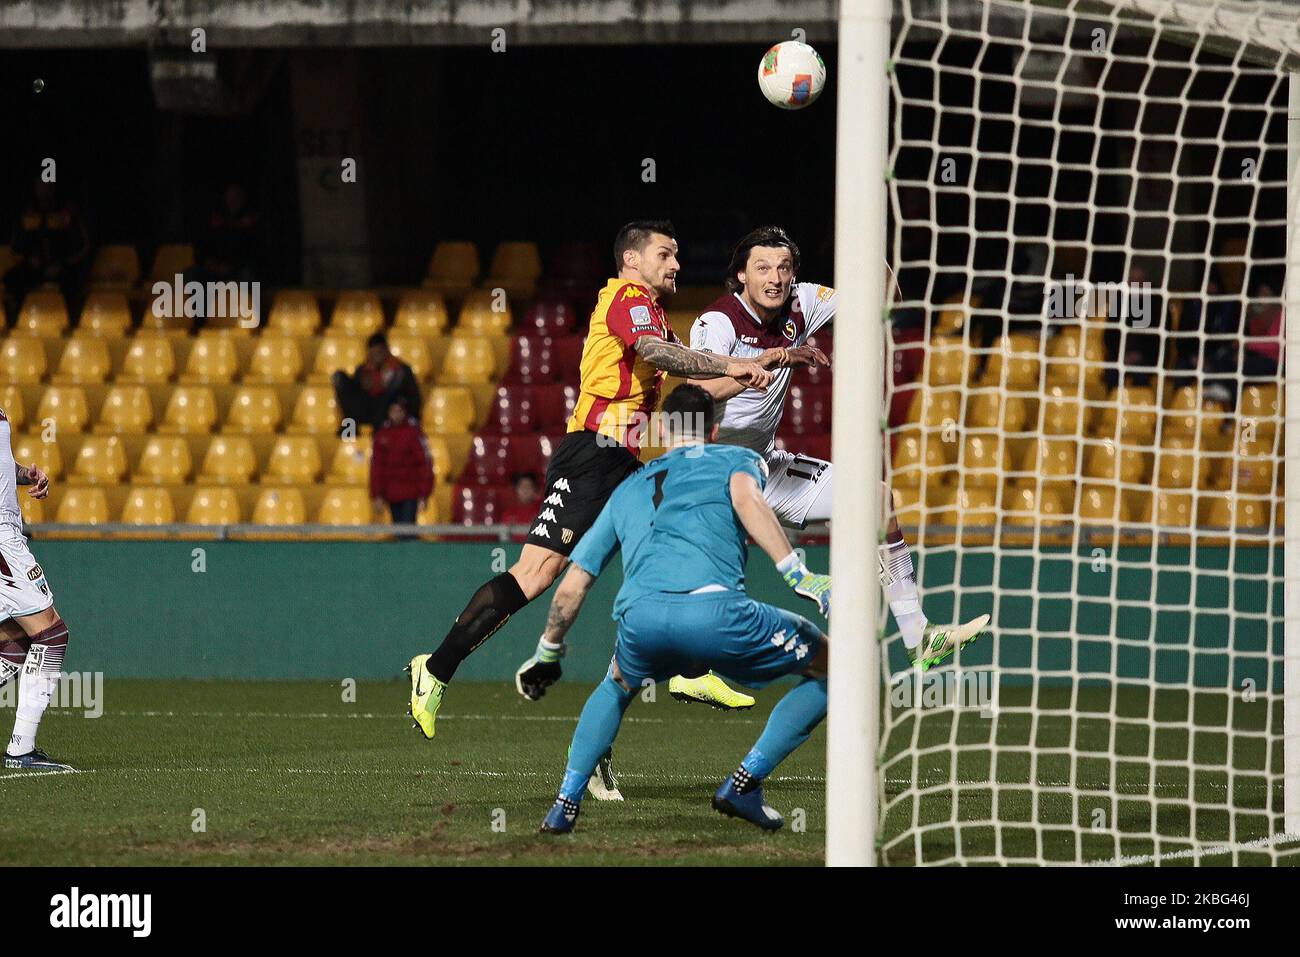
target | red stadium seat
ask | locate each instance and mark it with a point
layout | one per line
(551, 316)
(552, 406)
(566, 357)
(490, 461)
(576, 262)
(511, 412)
(807, 410)
(818, 375)
(813, 446)
(476, 504)
(531, 361)
(532, 453)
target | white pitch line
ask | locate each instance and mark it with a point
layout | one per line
(1207, 850)
(393, 715)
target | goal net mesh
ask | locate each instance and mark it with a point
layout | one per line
(1088, 218)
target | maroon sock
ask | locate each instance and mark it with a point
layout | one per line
(51, 644)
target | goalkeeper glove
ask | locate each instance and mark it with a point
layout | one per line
(813, 587)
(540, 671)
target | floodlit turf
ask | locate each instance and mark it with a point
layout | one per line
(288, 773)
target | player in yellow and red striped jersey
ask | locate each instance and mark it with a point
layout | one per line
(630, 348)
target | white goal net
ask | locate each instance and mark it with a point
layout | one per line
(1088, 223)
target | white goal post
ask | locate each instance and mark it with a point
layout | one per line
(1092, 212)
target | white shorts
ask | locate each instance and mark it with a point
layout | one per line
(798, 488)
(23, 589)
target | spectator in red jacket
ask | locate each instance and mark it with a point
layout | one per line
(528, 491)
(401, 468)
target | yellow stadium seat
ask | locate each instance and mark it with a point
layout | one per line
(101, 461)
(443, 465)
(276, 361)
(85, 360)
(22, 360)
(517, 260)
(415, 352)
(1179, 464)
(315, 411)
(1215, 511)
(253, 410)
(449, 409)
(115, 267)
(279, 506)
(1113, 462)
(127, 409)
(1014, 363)
(934, 408)
(1252, 513)
(454, 266)
(294, 460)
(484, 312)
(148, 505)
(1259, 402)
(213, 505)
(985, 461)
(83, 506)
(351, 462)
(470, 360)
(149, 360)
(1100, 505)
(66, 406)
(984, 409)
(1254, 464)
(1130, 413)
(948, 362)
(212, 360)
(345, 505)
(421, 312)
(190, 409)
(335, 353)
(1173, 509)
(105, 314)
(229, 461)
(357, 313)
(170, 259)
(1062, 411)
(32, 509)
(43, 314)
(1065, 356)
(13, 407)
(30, 450)
(165, 460)
(295, 312)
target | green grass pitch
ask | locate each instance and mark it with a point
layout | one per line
(291, 773)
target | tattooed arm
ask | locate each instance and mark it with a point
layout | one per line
(567, 603)
(38, 480)
(677, 359)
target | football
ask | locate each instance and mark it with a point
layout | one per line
(791, 75)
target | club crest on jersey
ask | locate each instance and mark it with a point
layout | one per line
(566, 535)
(641, 318)
(789, 330)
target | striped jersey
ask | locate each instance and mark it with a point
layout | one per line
(619, 390)
(9, 511)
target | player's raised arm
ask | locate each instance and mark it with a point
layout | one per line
(764, 528)
(677, 359)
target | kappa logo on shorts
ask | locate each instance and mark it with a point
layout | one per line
(566, 535)
(562, 485)
(554, 499)
(799, 648)
(34, 573)
(546, 516)
(541, 532)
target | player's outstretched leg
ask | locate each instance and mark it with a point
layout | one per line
(791, 722)
(489, 608)
(941, 641)
(36, 683)
(597, 728)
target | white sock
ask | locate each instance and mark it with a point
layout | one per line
(34, 693)
(898, 578)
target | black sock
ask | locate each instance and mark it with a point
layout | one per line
(489, 609)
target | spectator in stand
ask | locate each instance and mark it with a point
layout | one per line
(528, 490)
(401, 467)
(52, 245)
(229, 242)
(1208, 332)
(1262, 345)
(366, 397)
